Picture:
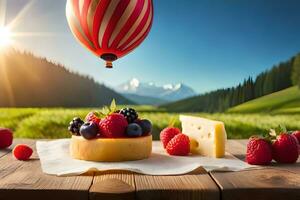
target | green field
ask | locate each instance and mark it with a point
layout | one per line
(283, 102)
(53, 122)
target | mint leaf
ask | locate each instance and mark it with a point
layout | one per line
(276, 131)
(96, 113)
(105, 110)
(272, 132)
(280, 129)
(113, 106)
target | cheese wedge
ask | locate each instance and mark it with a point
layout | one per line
(207, 137)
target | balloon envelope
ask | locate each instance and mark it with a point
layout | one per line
(110, 28)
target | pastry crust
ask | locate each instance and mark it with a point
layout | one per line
(111, 149)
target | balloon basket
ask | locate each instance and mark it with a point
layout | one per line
(109, 64)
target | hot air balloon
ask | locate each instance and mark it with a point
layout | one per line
(110, 28)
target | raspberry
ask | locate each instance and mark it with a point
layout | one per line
(259, 151)
(113, 126)
(93, 117)
(285, 148)
(22, 152)
(179, 145)
(167, 134)
(6, 138)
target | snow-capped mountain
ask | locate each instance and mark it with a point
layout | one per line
(168, 92)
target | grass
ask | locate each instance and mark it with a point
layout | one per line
(283, 102)
(53, 122)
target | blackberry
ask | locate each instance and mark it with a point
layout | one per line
(130, 114)
(75, 125)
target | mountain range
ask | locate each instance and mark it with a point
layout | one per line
(30, 81)
(151, 93)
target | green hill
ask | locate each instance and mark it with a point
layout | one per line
(30, 81)
(272, 80)
(284, 102)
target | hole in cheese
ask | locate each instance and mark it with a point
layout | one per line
(194, 144)
(208, 135)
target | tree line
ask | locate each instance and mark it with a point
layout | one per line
(296, 71)
(30, 81)
(279, 77)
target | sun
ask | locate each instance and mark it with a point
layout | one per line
(5, 36)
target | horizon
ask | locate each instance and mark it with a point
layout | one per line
(242, 51)
(128, 81)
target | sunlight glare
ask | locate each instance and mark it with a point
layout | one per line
(5, 36)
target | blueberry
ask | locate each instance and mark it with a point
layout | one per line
(89, 130)
(146, 126)
(134, 130)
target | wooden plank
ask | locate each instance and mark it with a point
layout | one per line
(198, 186)
(260, 184)
(236, 148)
(7, 167)
(113, 185)
(195, 185)
(25, 180)
(125, 185)
(3, 152)
(272, 182)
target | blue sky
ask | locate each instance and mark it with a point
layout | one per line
(206, 44)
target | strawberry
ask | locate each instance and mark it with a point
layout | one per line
(113, 126)
(93, 117)
(6, 138)
(167, 134)
(297, 135)
(259, 151)
(179, 145)
(22, 152)
(285, 148)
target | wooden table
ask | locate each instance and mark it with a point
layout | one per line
(25, 180)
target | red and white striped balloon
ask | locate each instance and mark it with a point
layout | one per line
(110, 28)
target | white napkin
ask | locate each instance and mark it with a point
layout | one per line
(56, 160)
